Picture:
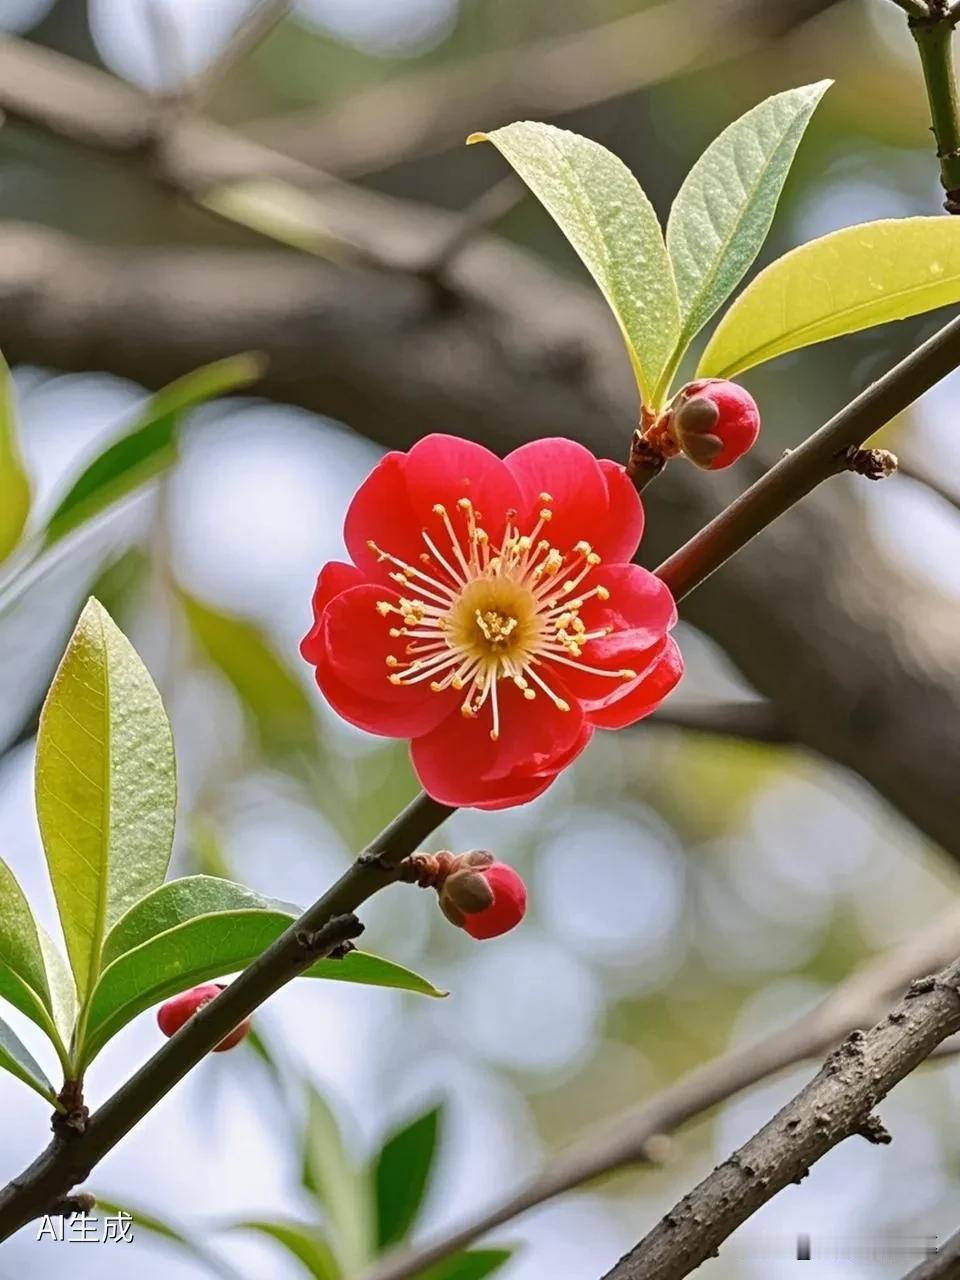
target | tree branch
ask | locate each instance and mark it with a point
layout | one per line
(744, 721)
(632, 1137)
(943, 1265)
(834, 1105)
(321, 928)
(933, 32)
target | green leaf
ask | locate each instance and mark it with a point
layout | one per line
(149, 447)
(724, 209)
(16, 1058)
(846, 281)
(168, 1232)
(302, 1239)
(402, 1175)
(473, 1264)
(106, 786)
(196, 929)
(23, 968)
(14, 482)
(269, 690)
(341, 1187)
(602, 210)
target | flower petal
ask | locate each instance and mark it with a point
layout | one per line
(623, 527)
(443, 469)
(380, 512)
(352, 670)
(571, 475)
(334, 578)
(458, 763)
(645, 694)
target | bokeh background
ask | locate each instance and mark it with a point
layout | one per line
(688, 892)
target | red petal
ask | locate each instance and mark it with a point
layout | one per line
(445, 469)
(353, 674)
(458, 763)
(571, 475)
(623, 527)
(643, 695)
(334, 578)
(381, 512)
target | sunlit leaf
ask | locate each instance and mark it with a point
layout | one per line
(850, 280)
(16, 1058)
(341, 1187)
(269, 690)
(149, 447)
(106, 786)
(723, 211)
(602, 210)
(14, 482)
(196, 929)
(302, 1239)
(402, 1176)
(23, 971)
(474, 1264)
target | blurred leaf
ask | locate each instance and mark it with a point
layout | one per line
(106, 786)
(14, 481)
(344, 1190)
(303, 1240)
(23, 973)
(278, 210)
(165, 1230)
(724, 209)
(149, 448)
(474, 1264)
(264, 683)
(196, 929)
(602, 210)
(16, 1058)
(847, 281)
(402, 1176)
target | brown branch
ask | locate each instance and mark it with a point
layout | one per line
(318, 932)
(943, 1265)
(634, 1137)
(834, 1105)
(423, 113)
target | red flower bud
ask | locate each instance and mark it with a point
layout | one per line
(174, 1013)
(714, 422)
(483, 896)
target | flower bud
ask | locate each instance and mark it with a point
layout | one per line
(483, 896)
(714, 422)
(174, 1013)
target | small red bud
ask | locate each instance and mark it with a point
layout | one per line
(714, 422)
(174, 1013)
(484, 897)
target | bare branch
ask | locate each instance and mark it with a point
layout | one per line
(943, 1265)
(263, 17)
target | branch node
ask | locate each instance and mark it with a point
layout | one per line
(875, 464)
(333, 937)
(72, 1120)
(874, 1130)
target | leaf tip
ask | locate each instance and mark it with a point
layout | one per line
(477, 137)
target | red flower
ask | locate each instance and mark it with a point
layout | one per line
(491, 614)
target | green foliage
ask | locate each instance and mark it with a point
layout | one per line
(171, 1234)
(106, 787)
(14, 482)
(473, 1264)
(200, 928)
(302, 1239)
(23, 970)
(726, 204)
(850, 280)
(269, 690)
(401, 1176)
(602, 210)
(149, 448)
(340, 1186)
(16, 1058)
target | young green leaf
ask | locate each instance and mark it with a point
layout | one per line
(473, 1264)
(16, 1058)
(402, 1175)
(846, 281)
(602, 210)
(343, 1190)
(198, 928)
(724, 209)
(302, 1239)
(14, 482)
(149, 447)
(269, 690)
(171, 1233)
(23, 971)
(106, 787)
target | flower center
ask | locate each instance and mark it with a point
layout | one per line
(476, 615)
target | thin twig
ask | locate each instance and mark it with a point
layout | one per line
(745, 721)
(922, 475)
(942, 1265)
(933, 33)
(249, 35)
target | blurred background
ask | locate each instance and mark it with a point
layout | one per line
(689, 891)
